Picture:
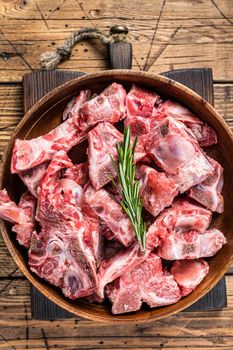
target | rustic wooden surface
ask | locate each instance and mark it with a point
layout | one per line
(165, 35)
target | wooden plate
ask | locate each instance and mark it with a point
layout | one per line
(46, 114)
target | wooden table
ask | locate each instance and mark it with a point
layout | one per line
(165, 35)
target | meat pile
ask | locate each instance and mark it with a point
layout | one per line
(70, 218)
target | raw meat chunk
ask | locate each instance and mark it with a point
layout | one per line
(9, 211)
(183, 216)
(72, 192)
(111, 212)
(208, 192)
(109, 106)
(191, 245)
(157, 190)
(178, 153)
(24, 231)
(139, 108)
(93, 236)
(58, 259)
(205, 135)
(32, 177)
(23, 215)
(78, 173)
(71, 263)
(73, 107)
(112, 268)
(189, 274)
(29, 153)
(144, 283)
(102, 142)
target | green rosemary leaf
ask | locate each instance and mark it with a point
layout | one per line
(126, 173)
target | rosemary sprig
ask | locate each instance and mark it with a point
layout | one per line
(126, 171)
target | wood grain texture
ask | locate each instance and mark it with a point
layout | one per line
(164, 34)
(200, 330)
(120, 55)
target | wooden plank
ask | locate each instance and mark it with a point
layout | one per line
(164, 34)
(201, 330)
(104, 9)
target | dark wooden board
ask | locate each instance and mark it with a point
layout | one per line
(36, 85)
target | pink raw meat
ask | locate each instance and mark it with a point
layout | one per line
(112, 268)
(205, 135)
(23, 215)
(93, 236)
(29, 153)
(60, 253)
(111, 212)
(73, 107)
(208, 192)
(9, 211)
(109, 106)
(157, 190)
(189, 274)
(56, 256)
(24, 231)
(178, 153)
(191, 245)
(72, 192)
(32, 177)
(183, 216)
(78, 173)
(144, 283)
(102, 142)
(139, 108)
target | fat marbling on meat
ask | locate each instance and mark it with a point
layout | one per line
(157, 190)
(184, 215)
(108, 106)
(73, 107)
(78, 173)
(115, 266)
(139, 109)
(205, 135)
(177, 152)
(111, 212)
(33, 176)
(208, 192)
(102, 142)
(146, 282)
(59, 253)
(189, 274)
(191, 245)
(22, 215)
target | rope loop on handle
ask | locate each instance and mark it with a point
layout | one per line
(50, 60)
